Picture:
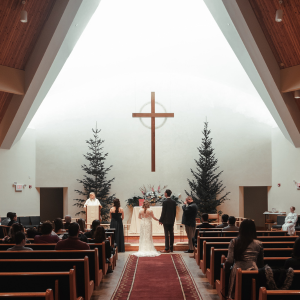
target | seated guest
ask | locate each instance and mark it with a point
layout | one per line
(72, 242)
(6, 220)
(81, 224)
(20, 243)
(46, 237)
(290, 221)
(224, 221)
(13, 219)
(100, 238)
(68, 220)
(58, 225)
(231, 226)
(203, 225)
(245, 252)
(10, 239)
(32, 232)
(90, 234)
(294, 261)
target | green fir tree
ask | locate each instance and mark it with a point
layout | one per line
(95, 179)
(206, 186)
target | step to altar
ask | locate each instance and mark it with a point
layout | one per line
(158, 246)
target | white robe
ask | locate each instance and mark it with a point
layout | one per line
(92, 202)
(290, 227)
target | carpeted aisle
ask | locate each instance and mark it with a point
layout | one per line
(162, 277)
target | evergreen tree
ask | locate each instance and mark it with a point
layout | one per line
(95, 179)
(206, 186)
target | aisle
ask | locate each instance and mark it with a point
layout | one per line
(162, 277)
(111, 281)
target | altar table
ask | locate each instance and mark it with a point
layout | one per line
(156, 228)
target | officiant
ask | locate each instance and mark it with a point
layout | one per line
(190, 211)
(93, 201)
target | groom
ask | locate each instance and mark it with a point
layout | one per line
(167, 219)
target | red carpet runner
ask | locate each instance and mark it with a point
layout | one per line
(162, 277)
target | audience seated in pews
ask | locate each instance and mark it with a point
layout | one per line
(32, 232)
(46, 237)
(10, 239)
(72, 242)
(224, 221)
(81, 235)
(90, 234)
(20, 243)
(245, 252)
(68, 220)
(6, 220)
(294, 261)
(13, 219)
(99, 237)
(231, 226)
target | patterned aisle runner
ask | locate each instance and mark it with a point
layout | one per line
(162, 277)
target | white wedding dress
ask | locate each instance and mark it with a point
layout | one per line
(146, 246)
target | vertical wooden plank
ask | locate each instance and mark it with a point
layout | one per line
(153, 132)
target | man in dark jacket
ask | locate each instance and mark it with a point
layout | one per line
(190, 211)
(168, 216)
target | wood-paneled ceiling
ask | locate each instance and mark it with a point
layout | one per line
(283, 37)
(18, 39)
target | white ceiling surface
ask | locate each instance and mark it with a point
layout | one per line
(147, 45)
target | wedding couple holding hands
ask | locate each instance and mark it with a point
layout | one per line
(167, 219)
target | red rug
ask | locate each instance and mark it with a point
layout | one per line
(162, 277)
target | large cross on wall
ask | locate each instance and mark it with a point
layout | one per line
(153, 115)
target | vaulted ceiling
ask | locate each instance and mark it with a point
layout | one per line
(18, 39)
(269, 51)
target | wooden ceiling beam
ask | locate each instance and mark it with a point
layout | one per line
(290, 79)
(12, 80)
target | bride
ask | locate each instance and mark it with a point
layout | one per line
(146, 246)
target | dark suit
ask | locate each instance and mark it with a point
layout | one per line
(167, 218)
(189, 220)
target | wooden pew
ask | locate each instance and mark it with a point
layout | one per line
(218, 256)
(62, 283)
(96, 274)
(48, 295)
(205, 262)
(246, 284)
(84, 285)
(265, 294)
(276, 262)
(200, 240)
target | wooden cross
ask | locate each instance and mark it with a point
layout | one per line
(153, 115)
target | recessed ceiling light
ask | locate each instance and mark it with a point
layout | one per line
(23, 17)
(297, 94)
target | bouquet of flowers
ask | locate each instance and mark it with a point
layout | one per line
(151, 194)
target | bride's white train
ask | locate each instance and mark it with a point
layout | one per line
(146, 246)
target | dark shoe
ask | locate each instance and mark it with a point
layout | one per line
(189, 251)
(165, 251)
(171, 250)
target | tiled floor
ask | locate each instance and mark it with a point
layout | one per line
(109, 283)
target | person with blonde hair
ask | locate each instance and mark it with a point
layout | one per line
(290, 221)
(146, 246)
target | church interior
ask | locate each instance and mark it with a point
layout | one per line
(119, 116)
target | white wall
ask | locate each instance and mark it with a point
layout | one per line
(242, 144)
(19, 164)
(285, 169)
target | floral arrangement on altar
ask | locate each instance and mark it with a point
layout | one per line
(154, 196)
